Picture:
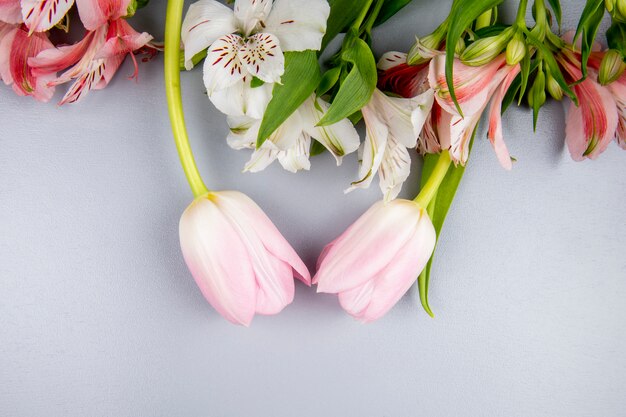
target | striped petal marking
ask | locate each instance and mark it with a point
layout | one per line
(41, 15)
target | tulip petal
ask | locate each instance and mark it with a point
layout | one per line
(204, 23)
(298, 24)
(219, 261)
(376, 297)
(242, 206)
(368, 246)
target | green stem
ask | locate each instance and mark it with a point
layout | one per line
(359, 20)
(173, 23)
(434, 181)
(521, 13)
(371, 19)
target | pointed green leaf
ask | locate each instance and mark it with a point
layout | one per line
(463, 13)
(556, 9)
(357, 88)
(301, 77)
(587, 29)
(342, 14)
(329, 79)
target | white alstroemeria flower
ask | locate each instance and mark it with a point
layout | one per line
(290, 143)
(392, 125)
(250, 40)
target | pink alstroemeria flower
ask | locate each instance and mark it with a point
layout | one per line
(618, 89)
(16, 47)
(592, 125)
(377, 259)
(10, 11)
(96, 13)
(475, 88)
(93, 61)
(240, 261)
(37, 15)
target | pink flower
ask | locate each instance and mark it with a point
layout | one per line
(96, 13)
(475, 88)
(240, 261)
(10, 11)
(593, 124)
(618, 89)
(16, 48)
(37, 15)
(377, 259)
(93, 61)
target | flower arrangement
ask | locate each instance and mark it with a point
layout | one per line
(262, 69)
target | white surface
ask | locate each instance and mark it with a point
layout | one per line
(99, 316)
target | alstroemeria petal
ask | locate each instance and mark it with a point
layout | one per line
(205, 22)
(261, 158)
(262, 57)
(95, 13)
(340, 138)
(272, 239)
(399, 116)
(243, 131)
(10, 11)
(41, 15)
(122, 39)
(296, 158)
(250, 14)
(459, 132)
(222, 67)
(390, 60)
(495, 120)
(298, 24)
(394, 169)
(240, 99)
(61, 57)
(287, 134)
(372, 150)
(218, 260)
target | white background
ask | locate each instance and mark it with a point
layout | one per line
(100, 317)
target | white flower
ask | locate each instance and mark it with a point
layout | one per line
(392, 125)
(291, 142)
(249, 41)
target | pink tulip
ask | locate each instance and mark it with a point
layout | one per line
(240, 261)
(16, 48)
(93, 61)
(377, 259)
(592, 125)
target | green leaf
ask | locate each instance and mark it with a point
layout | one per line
(256, 82)
(389, 8)
(588, 29)
(342, 14)
(463, 13)
(301, 77)
(357, 88)
(616, 37)
(329, 79)
(438, 210)
(556, 9)
(316, 148)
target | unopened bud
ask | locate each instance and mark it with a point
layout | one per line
(516, 49)
(537, 93)
(617, 9)
(420, 51)
(553, 87)
(612, 67)
(485, 50)
(460, 47)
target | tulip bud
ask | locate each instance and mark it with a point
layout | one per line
(612, 67)
(377, 259)
(240, 261)
(485, 50)
(516, 49)
(553, 87)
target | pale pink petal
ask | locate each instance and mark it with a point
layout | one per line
(298, 24)
(219, 261)
(367, 247)
(7, 34)
(262, 57)
(122, 39)
(56, 59)
(243, 207)
(10, 11)
(495, 120)
(41, 15)
(394, 169)
(376, 297)
(204, 23)
(95, 13)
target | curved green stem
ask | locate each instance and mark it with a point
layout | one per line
(434, 181)
(173, 22)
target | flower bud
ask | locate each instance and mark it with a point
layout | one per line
(420, 51)
(612, 67)
(485, 50)
(516, 49)
(617, 9)
(553, 87)
(537, 93)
